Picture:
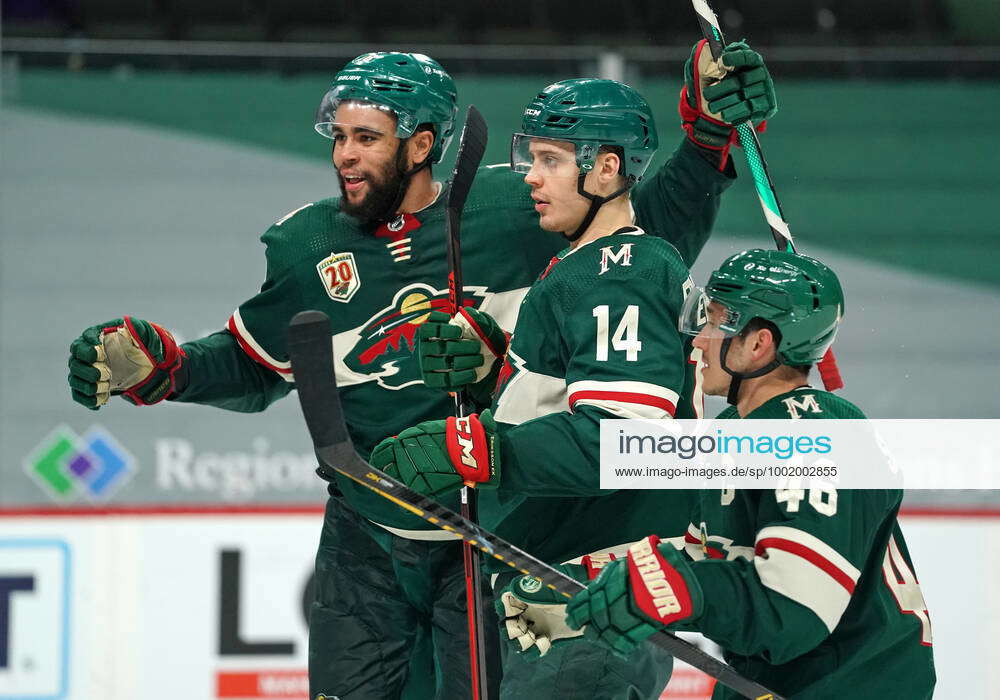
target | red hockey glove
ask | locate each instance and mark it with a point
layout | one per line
(439, 456)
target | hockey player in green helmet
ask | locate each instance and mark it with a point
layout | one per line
(389, 615)
(375, 97)
(596, 337)
(813, 596)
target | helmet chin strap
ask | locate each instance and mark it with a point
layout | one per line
(404, 183)
(596, 202)
(738, 377)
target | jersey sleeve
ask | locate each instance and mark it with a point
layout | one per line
(625, 360)
(219, 373)
(681, 200)
(245, 368)
(259, 324)
(808, 555)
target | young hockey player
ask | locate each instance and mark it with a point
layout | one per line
(810, 592)
(388, 590)
(596, 337)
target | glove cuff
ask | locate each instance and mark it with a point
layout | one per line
(663, 592)
(161, 383)
(706, 132)
(471, 448)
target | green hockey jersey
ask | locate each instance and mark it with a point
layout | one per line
(812, 592)
(377, 286)
(596, 338)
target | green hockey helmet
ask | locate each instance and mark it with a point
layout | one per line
(589, 113)
(800, 295)
(412, 87)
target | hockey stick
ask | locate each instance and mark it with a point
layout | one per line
(766, 193)
(471, 147)
(310, 350)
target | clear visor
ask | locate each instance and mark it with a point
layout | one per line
(547, 157)
(341, 108)
(701, 313)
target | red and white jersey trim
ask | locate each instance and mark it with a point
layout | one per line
(802, 567)
(625, 399)
(254, 349)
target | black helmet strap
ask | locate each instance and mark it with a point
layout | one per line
(596, 202)
(738, 377)
(404, 182)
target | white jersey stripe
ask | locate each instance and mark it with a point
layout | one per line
(805, 569)
(801, 581)
(529, 395)
(255, 350)
(625, 409)
(813, 543)
(626, 387)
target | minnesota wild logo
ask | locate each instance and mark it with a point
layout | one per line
(385, 350)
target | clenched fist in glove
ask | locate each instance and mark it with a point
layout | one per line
(127, 356)
(437, 456)
(461, 351)
(532, 615)
(721, 94)
(631, 599)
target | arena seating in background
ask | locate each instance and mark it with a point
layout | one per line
(642, 22)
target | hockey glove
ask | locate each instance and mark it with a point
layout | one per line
(461, 351)
(438, 456)
(127, 356)
(630, 600)
(718, 95)
(534, 615)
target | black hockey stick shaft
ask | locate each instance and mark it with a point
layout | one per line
(766, 193)
(471, 147)
(310, 349)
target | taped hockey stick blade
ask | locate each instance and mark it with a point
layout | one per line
(310, 349)
(471, 148)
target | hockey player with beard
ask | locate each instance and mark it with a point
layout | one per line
(596, 337)
(389, 615)
(810, 592)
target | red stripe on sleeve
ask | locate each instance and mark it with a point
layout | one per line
(623, 397)
(248, 349)
(813, 557)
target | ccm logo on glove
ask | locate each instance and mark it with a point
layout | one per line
(468, 448)
(658, 588)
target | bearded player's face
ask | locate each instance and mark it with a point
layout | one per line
(366, 155)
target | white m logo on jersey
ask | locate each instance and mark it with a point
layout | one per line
(623, 257)
(806, 404)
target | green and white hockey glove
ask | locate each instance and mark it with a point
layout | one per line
(439, 456)
(534, 615)
(461, 352)
(127, 356)
(631, 599)
(721, 94)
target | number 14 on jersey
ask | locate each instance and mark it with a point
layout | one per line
(626, 336)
